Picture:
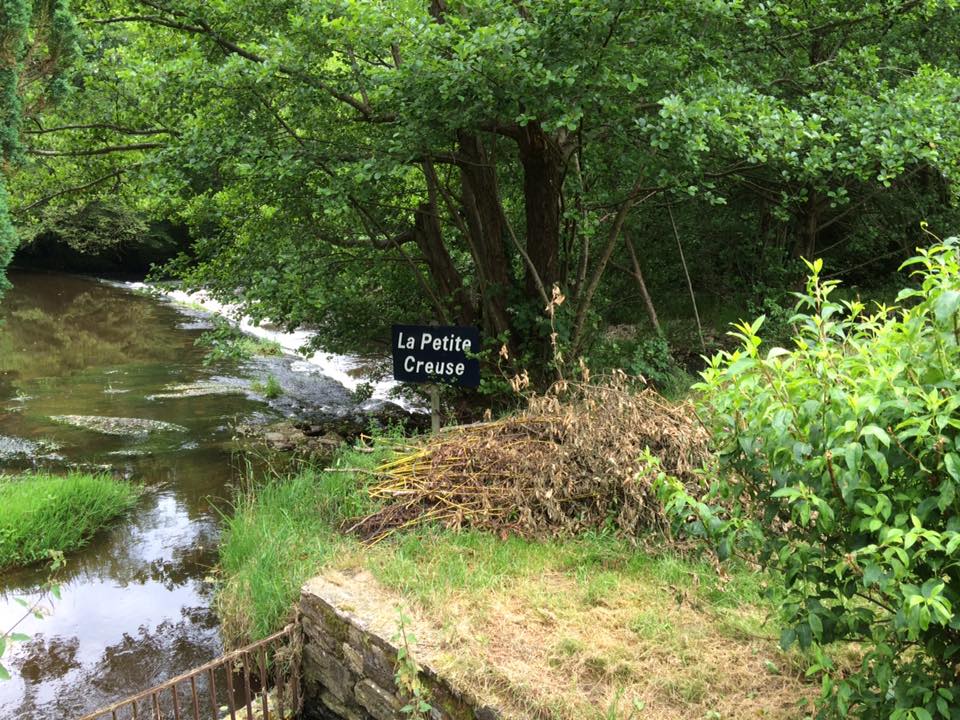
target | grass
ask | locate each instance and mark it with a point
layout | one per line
(593, 626)
(270, 388)
(585, 627)
(282, 531)
(49, 512)
(250, 346)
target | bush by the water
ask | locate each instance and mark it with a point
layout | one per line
(846, 458)
(40, 513)
(228, 342)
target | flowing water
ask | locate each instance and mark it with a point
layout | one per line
(136, 604)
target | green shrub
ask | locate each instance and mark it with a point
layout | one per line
(777, 310)
(270, 388)
(647, 357)
(845, 452)
(43, 513)
(227, 342)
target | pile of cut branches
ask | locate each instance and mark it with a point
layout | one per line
(562, 466)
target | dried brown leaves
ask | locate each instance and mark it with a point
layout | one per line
(562, 466)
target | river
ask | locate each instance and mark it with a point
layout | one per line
(137, 603)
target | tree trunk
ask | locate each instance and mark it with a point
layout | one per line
(641, 283)
(806, 244)
(542, 168)
(485, 227)
(443, 272)
(585, 298)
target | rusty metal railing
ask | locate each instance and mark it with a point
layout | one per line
(257, 682)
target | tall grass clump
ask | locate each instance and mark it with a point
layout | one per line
(42, 512)
(284, 530)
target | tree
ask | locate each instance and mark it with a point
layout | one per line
(458, 159)
(37, 44)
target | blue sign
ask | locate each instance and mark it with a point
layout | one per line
(436, 354)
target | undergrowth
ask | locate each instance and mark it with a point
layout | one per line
(285, 529)
(227, 342)
(586, 624)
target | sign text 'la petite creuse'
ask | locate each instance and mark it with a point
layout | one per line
(434, 353)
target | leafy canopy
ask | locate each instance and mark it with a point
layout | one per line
(38, 41)
(351, 163)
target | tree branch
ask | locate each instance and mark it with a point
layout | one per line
(641, 283)
(202, 27)
(586, 299)
(850, 22)
(94, 151)
(70, 190)
(104, 126)
(686, 272)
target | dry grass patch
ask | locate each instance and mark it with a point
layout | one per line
(635, 654)
(582, 629)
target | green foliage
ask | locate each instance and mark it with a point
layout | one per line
(26, 30)
(407, 675)
(8, 235)
(47, 512)
(269, 388)
(228, 342)
(14, 22)
(49, 590)
(363, 392)
(646, 357)
(777, 315)
(282, 531)
(330, 159)
(92, 228)
(845, 451)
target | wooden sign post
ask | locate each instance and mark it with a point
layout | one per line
(436, 354)
(435, 408)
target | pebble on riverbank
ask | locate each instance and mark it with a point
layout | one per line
(314, 441)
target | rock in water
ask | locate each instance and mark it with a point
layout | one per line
(196, 389)
(118, 425)
(13, 448)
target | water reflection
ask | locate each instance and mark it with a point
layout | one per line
(58, 324)
(136, 605)
(57, 681)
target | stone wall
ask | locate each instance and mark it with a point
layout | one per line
(349, 656)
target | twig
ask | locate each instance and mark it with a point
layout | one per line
(686, 272)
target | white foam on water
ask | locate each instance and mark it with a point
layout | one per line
(332, 365)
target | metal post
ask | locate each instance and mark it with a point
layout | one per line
(435, 408)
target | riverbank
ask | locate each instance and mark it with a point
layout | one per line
(43, 513)
(280, 533)
(136, 608)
